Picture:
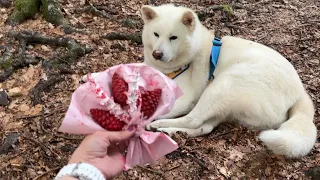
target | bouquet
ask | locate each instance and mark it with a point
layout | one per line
(122, 96)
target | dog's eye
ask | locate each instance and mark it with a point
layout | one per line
(173, 38)
(156, 34)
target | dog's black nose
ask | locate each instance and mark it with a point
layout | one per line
(157, 54)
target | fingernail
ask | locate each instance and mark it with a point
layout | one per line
(131, 128)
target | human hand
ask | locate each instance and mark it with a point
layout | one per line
(101, 151)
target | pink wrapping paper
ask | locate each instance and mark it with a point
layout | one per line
(144, 147)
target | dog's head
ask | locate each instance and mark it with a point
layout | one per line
(167, 33)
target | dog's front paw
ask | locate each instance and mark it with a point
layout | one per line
(158, 124)
(84, 78)
(167, 131)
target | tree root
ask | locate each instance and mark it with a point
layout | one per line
(135, 38)
(95, 11)
(26, 9)
(54, 66)
(41, 86)
(226, 8)
(23, 10)
(37, 38)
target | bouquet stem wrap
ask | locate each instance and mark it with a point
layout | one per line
(144, 147)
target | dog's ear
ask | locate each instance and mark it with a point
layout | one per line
(188, 19)
(148, 13)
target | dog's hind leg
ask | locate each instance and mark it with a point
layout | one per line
(213, 104)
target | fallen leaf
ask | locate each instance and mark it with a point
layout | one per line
(15, 92)
(36, 109)
(24, 108)
(45, 48)
(223, 171)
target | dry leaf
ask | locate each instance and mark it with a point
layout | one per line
(15, 92)
(24, 108)
(36, 109)
(45, 48)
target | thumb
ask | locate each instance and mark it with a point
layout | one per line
(118, 136)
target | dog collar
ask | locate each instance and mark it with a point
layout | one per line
(215, 51)
(176, 73)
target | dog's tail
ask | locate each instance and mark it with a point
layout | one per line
(295, 137)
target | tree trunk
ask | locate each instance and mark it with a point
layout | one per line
(23, 9)
(26, 9)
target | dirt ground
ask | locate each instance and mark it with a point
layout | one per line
(229, 152)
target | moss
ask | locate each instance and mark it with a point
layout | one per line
(202, 16)
(6, 60)
(129, 23)
(228, 8)
(52, 12)
(24, 9)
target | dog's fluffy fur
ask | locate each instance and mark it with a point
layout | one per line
(253, 84)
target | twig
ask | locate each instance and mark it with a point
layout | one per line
(262, 37)
(65, 137)
(46, 173)
(198, 161)
(174, 167)
(221, 134)
(151, 170)
(43, 147)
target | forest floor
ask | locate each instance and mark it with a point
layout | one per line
(32, 148)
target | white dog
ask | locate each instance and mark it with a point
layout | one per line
(252, 83)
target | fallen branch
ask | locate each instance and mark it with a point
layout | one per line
(135, 38)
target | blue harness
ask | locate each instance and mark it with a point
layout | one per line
(215, 51)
